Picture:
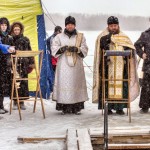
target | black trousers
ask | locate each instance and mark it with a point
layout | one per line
(145, 92)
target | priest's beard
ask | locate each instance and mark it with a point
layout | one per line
(114, 31)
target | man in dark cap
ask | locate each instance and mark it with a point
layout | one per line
(70, 91)
(142, 46)
(115, 67)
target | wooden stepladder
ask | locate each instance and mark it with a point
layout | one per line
(17, 78)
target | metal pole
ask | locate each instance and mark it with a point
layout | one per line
(106, 126)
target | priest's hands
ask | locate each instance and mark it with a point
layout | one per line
(73, 49)
(69, 48)
(63, 49)
(144, 56)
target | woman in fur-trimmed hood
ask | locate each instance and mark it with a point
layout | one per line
(22, 43)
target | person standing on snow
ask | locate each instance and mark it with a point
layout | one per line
(25, 65)
(142, 46)
(5, 63)
(57, 30)
(112, 38)
(70, 91)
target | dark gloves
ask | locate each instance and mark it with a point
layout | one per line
(81, 55)
(73, 49)
(62, 50)
(70, 49)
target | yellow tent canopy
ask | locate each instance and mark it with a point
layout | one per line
(24, 11)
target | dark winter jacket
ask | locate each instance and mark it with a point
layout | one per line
(5, 65)
(23, 43)
(142, 46)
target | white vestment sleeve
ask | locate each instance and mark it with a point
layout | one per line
(84, 47)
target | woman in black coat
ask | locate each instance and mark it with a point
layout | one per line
(5, 64)
(22, 43)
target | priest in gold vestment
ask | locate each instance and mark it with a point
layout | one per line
(112, 38)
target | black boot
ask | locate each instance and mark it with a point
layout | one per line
(6, 111)
(22, 106)
(1, 102)
(15, 106)
(144, 110)
(1, 105)
(110, 112)
(120, 112)
(2, 111)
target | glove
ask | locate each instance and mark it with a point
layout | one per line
(62, 50)
(73, 49)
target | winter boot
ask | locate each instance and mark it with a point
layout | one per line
(6, 111)
(110, 112)
(15, 106)
(22, 106)
(120, 112)
(144, 110)
(2, 111)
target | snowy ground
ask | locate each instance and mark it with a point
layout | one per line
(33, 125)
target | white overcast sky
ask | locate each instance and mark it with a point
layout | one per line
(123, 7)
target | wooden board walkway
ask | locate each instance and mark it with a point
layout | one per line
(78, 140)
(86, 139)
(129, 146)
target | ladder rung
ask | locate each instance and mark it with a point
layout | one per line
(115, 79)
(123, 99)
(26, 79)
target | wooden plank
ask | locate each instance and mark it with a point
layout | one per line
(122, 139)
(27, 53)
(119, 135)
(99, 132)
(129, 146)
(84, 139)
(39, 139)
(72, 139)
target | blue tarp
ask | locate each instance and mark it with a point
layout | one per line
(47, 73)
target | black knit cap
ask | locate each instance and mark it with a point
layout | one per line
(70, 20)
(5, 21)
(112, 20)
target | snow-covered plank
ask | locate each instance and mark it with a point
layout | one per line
(72, 143)
(120, 132)
(84, 139)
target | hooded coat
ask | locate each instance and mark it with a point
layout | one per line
(22, 43)
(5, 63)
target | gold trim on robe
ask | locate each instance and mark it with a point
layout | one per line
(118, 41)
(115, 71)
